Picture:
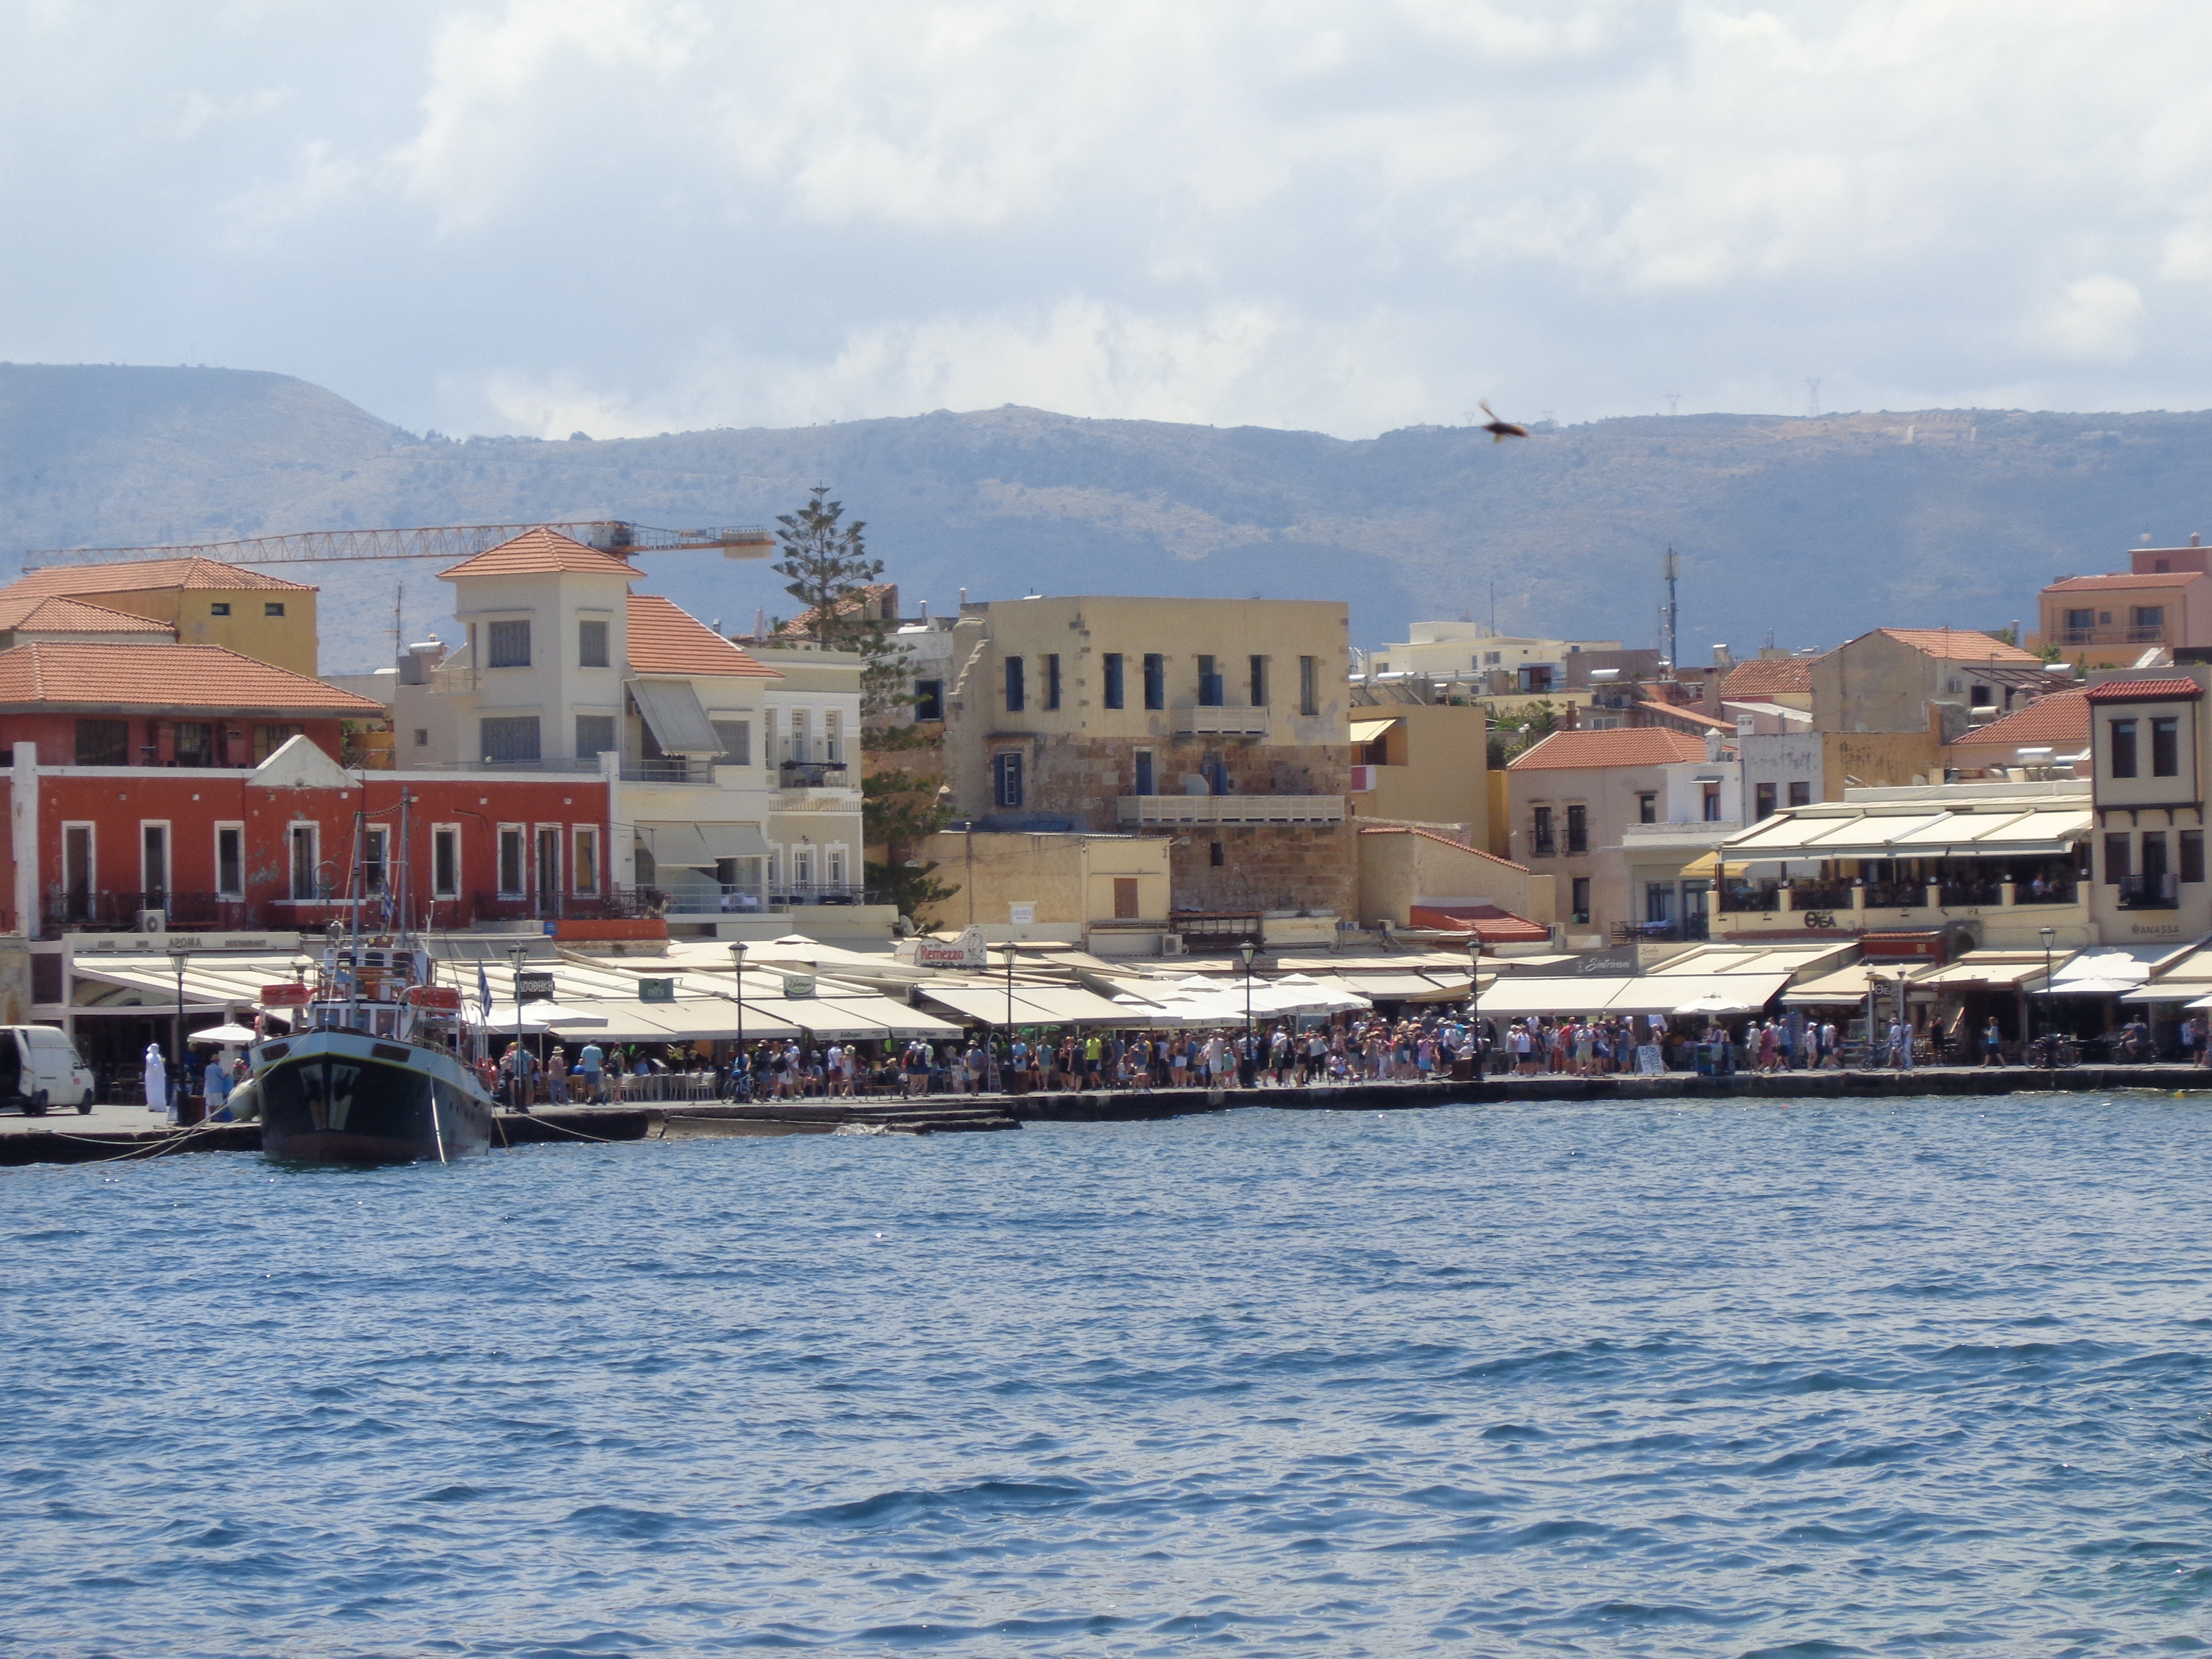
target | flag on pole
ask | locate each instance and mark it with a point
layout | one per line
(484, 992)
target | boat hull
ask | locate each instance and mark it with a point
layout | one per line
(341, 1097)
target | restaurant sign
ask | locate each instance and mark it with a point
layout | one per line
(968, 950)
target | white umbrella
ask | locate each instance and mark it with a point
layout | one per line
(225, 1034)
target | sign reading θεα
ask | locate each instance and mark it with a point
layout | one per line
(533, 987)
(656, 990)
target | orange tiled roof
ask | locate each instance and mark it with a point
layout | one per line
(542, 552)
(2061, 717)
(1958, 644)
(667, 639)
(52, 614)
(2107, 584)
(2144, 690)
(145, 575)
(135, 676)
(1626, 745)
(1760, 678)
(1430, 834)
(1491, 923)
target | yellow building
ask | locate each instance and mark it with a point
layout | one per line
(1423, 763)
(204, 601)
(1219, 726)
(1046, 885)
(1402, 870)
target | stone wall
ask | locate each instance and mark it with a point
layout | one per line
(1286, 867)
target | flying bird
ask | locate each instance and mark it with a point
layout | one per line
(1499, 430)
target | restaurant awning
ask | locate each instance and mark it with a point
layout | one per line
(1035, 1005)
(860, 1015)
(2183, 981)
(1992, 970)
(678, 719)
(702, 846)
(1845, 985)
(1828, 831)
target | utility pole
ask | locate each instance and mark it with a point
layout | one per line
(1812, 398)
(1673, 402)
(1669, 568)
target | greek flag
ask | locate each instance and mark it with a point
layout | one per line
(484, 992)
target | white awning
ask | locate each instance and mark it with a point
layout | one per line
(1827, 832)
(1038, 1005)
(678, 719)
(700, 846)
(1368, 731)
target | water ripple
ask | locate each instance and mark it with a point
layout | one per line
(1885, 1378)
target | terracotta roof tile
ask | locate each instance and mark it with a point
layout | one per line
(2107, 584)
(138, 676)
(1492, 924)
(2144, 690)
(667, 639)
(51, 614)
(1627, 745)
(1958, 644)
(1763, 676)
(145, 575)
(542, 552)
(2061, 717)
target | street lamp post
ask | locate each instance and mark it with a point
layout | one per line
(178, 959)
(1475, 999)
(737, 969)
(517, 956)
(1247, 951)
(2050, 936)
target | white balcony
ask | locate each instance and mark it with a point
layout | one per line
(1192, 720)
(1168, 811)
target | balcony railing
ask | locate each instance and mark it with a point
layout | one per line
(107, 912)
(2051, 893)
(2150, 893)
(1966, 895)
(1660, 933)
(1211, 720)
(1542, 844)
(1751, 896)
(2113, 635)
(811, 774)
(1165, 811)
(617, 903)
(1819, 894)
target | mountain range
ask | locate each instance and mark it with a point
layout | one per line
(1807, 531)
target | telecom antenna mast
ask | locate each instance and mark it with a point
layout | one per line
(1669, 568)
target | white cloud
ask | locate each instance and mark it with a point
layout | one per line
(635, 214)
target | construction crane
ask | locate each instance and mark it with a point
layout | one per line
(454, 541)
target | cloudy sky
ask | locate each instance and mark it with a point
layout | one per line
(635, 215)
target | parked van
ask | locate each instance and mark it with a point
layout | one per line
(39, 1067)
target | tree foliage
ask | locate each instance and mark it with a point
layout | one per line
(1515, 730)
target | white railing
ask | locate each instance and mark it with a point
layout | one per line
(1211, 721)
(1169, 809)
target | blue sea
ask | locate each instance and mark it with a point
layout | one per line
(1901, 1378)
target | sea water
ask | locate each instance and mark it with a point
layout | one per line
(1910, 1376)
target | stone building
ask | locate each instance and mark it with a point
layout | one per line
(1219, 725)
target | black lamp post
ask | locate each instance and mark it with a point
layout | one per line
(2049, 935)
(177, 957)
(517, 956)
(1247, 951)
(737, 969)
(1475, 999)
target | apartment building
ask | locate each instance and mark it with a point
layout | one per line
(2163, 599)
(1220, 725)
(194, 601)
(1500, 664)
(1575, 799)
(733, 773)
(2148, 765)
(1422, 763)
(1888, 703)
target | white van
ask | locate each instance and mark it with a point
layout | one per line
(39, 1067)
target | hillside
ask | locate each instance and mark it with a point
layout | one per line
(1813, 530)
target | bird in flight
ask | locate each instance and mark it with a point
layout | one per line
(1499, 430)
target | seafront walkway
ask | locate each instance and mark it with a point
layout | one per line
(115, 1133)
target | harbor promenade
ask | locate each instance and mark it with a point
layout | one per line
(130, 1133)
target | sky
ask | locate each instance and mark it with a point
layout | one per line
(630, 216)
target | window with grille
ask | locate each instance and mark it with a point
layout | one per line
(1006, 780)
(594, 734)
(103, 742)
(737, 740)
(510, 738)
(506, 644)
(591, 644)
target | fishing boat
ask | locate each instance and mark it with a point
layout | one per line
(375, 1068)
(373, 1071)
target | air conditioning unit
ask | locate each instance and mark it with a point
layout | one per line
(152, 922)
(1362, 779)
(1171, 944)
